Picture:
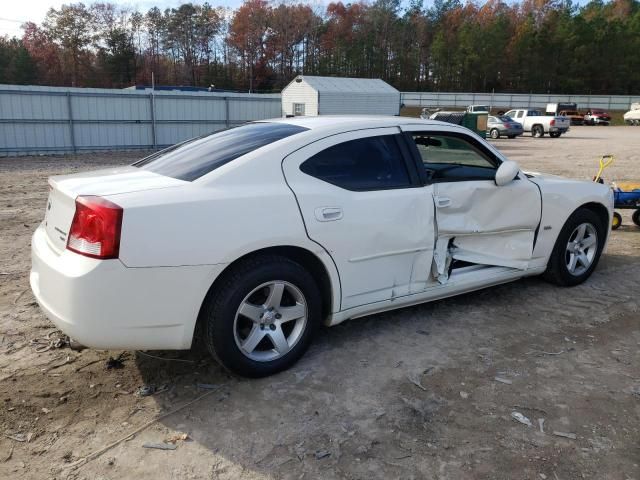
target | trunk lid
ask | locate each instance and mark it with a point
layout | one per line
(64, 189)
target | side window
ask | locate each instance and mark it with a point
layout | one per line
(519, 114)
(448, 158)
(374, 163)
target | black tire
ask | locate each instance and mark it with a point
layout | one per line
(557, 271)
(616, 221)
(219, 313)
(555, 134)
(636, 217)
(537, 131)
(494, 133)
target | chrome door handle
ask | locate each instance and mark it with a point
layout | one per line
(328, 214)
(442, 202)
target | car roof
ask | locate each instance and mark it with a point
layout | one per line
(329, 122)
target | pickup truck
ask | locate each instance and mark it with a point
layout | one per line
(597, 116)
(575, 117)
(538, 124)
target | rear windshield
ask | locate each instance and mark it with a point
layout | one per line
(197, 157)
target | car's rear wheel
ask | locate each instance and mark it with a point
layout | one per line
(537, 131)
(577, 249)
(635, 217)
(262, 317)
(495, 133)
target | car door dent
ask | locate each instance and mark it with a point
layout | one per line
(442, 259)
(460, 283)
(388, 254)
(500, 233)
(507, 249)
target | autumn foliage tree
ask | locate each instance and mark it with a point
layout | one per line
(523, 46)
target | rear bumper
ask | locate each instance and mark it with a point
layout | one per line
(558, 129)
(103, 304)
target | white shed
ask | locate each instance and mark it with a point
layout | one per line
(309, 95)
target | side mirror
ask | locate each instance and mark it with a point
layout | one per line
(506, 172)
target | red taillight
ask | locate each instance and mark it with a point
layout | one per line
(95, 229)
(553, 122)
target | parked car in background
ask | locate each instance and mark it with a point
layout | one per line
(597, 116)
(503, 126)
(554, 109)
(632, 117)
(538, 124)
(251, 237)
(575, 117)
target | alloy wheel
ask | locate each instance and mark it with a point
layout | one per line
(581, 249)
(270, 321)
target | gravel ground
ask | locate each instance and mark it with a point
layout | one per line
(424, 392)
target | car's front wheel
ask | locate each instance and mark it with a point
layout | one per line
(261, 317)
(495, 133)
(577, 249)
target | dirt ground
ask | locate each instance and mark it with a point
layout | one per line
(425, 392)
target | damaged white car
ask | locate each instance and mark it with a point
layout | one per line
(254, 236)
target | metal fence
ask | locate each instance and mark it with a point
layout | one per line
(45, 120)
(507, 100)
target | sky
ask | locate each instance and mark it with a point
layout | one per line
(14, 13)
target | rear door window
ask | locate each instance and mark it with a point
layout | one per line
(373, 163)
(197, 157)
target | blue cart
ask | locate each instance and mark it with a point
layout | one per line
(625, 195)
(629, 199)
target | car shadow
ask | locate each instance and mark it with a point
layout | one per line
(343, 398)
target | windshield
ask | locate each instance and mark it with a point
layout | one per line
(197, 157)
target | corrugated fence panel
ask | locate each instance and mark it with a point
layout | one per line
(40, 120)
(507, 100)
(244, 109)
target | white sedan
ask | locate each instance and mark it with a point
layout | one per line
(250, 238)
